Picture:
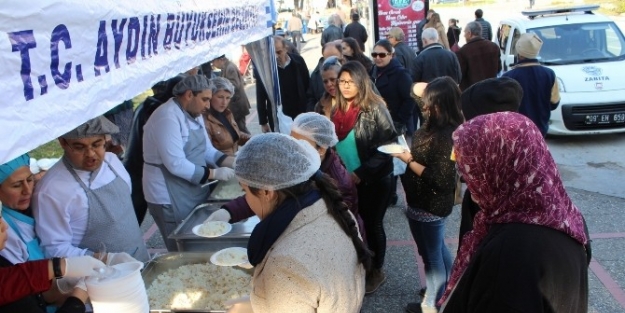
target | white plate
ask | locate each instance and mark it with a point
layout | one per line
(230, 257)
(391, 148)
(227, 227)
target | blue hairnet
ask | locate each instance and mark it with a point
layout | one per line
(8, 168)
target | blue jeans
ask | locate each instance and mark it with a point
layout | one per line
(430, 239)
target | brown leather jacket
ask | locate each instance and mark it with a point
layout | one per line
(219, 135)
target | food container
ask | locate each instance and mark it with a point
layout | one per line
(172, 260)
(186, 240)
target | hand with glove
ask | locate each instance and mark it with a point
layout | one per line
(221, 173)
(119, 258)
(221, 215)
(82, 266)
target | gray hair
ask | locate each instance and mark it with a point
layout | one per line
(334, 19)
(474, 28)
(331, 63)
(430, 34)
(220, 83)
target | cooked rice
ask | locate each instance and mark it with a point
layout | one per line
(198, 286)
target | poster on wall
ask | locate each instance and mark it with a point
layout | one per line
(405, 14)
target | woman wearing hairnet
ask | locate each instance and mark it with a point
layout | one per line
(305, 226)
(222, 129)
(363, 123)
(318, 131)
(25, 276)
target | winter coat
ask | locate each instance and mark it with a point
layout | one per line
(312, 267)
(479, 60)
(331, 33)
(315, 89)
(220, 136)
(394, 83)
(358, 32)
(404, 54)
(435, 61)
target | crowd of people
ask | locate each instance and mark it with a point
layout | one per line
(324, 190)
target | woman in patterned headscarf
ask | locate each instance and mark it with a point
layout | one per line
(526, 252)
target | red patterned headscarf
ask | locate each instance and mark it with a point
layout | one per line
(507, 166)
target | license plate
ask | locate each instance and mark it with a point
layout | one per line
(612, 118)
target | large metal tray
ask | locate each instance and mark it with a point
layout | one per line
(171, 260)
(186, 240)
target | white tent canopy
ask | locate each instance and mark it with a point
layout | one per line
(63, 62)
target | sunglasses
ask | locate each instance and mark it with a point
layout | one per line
(381, 55)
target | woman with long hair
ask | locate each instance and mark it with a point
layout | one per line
(453, 32)
(304, 226)
(429, 184)
(529, 248)
(362, 125)
(436, 23)
(352, 52)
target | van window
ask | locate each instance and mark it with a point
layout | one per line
(580, 43)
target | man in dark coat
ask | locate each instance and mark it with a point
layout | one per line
(333, 32)
(356, 31)
(404, 54)
(487, 31)
(434, 60)
(315, 89)
(479, 58)
(294, 81)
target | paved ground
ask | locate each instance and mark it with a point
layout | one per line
(604, 213)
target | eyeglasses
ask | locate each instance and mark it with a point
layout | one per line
(346, 83)
(381, 54)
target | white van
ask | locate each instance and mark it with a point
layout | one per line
(587, 52)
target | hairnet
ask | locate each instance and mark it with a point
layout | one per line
(8, 168)
(93, 127)
(195, 83)
(275, 161)
(317, 128)
(221, 83)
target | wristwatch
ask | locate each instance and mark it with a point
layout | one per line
(56, 268)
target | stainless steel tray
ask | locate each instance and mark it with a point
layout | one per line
(171, 260)
(186, 240)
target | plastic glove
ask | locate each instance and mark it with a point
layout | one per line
(221, 215)
(240, 305)
(66, 284)
(222, 173)
(81, 284)
(82, 266)
(119, 258)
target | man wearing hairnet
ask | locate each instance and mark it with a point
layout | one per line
(82, 206)
(179, 157)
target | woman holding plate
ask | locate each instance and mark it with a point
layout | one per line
(429, 184)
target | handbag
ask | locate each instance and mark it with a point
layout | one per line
(455, 47)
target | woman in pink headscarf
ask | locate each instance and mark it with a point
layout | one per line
(527, 250)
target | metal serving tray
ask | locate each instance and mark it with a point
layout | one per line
(186, 240)
(171, 260)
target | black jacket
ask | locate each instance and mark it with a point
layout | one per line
(453, 35)
(435, 61)
(374, 128)
(315, 89)
(523, 268)
(394, 84)
(433, 191)
(358, 32)
(487, 31)
(419, 32)
(404, 54)
(265, 114)
(331, 33)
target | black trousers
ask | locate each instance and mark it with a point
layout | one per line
(373, 199)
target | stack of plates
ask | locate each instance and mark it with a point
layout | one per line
(121, 290)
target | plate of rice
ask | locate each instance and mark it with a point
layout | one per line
(234, 256)
(391, 148)
(212, 229)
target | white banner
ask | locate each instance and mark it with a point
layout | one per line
(63, 62)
